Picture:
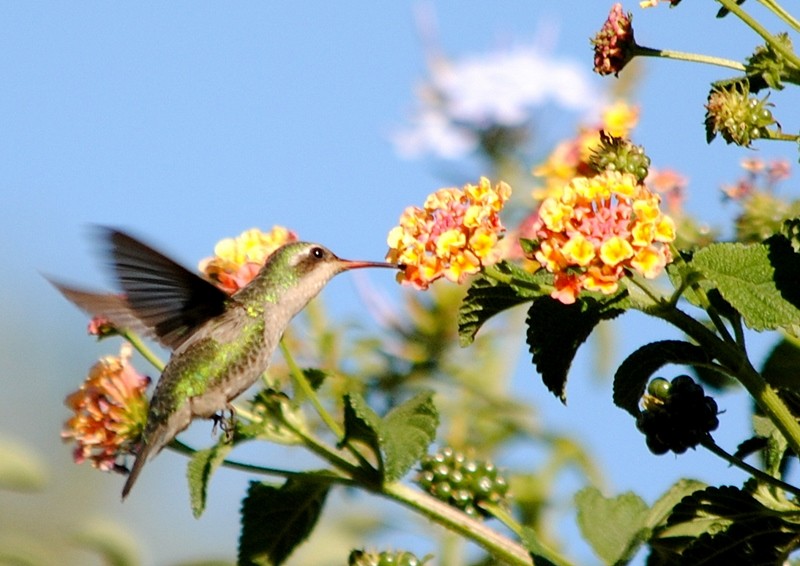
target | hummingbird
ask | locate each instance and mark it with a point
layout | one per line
(220, 343)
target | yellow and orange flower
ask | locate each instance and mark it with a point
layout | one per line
(571, 158)
(596, 229)
(237, 260)
(110, 412)
(454, 235)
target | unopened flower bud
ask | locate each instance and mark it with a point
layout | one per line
(614, 43)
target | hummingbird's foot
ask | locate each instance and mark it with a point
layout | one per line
(226, 425)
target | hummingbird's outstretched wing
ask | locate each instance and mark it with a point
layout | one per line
(163, 295)
(110, 306)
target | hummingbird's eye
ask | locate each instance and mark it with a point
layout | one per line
(317, 252)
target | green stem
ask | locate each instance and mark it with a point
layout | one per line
(496, 544)
(642, 284)
(529, 535)
(779, 11)
(684, 56)
(709, 444)
(493, 272)
(777, 135)
(304, 386)
(302, 383)
(736, 10)
(330, 455)
(181, 448)
(737, 364)
(142, 348)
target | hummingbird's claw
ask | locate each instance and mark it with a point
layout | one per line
(226, 425)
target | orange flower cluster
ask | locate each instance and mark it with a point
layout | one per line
(598, 228)
(110, 412)
(454, 235)
(237, 260)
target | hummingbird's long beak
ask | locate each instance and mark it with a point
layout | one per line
(354, 264)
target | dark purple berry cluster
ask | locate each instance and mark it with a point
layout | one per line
(461, 482)
(677, 415)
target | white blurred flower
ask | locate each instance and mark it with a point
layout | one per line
(463, 98)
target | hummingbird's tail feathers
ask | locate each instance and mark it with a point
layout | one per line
(112, 307)
(138, 464)
(164, 295)
(151, 445)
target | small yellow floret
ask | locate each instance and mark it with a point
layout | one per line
(615, 250)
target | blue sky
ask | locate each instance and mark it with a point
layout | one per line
(192, 121)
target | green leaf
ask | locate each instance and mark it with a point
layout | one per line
(316, 377)
(725, 525)
(776, 444)
(662, 508)
(276, 418)
(780, 367)
(790, 229)
(614, 527)
(556, 330)
(406, 433)
(362, 424)
(768, 65)
(758, 280)
(486, 297)
(632, 376)
(199, 471)
(400, 438)
(275, 520)
(538, 552)
(711, 378)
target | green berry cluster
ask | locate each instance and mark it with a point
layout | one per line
(677, 415)
(462, 482)
(619, 154)
(385, 558)
(735, 115)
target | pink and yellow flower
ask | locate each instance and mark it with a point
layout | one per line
(454, 235)
(110, 412)
(236, 261)
(597, 229)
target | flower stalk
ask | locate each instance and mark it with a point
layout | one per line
(304, 387)
(451, 518)
(733, 7)
(709, 444)
(640, 50)
(781, 12)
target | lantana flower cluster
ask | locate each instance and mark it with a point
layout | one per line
(110, 412)
(454, 235)
(237, 261)
(598, 228)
